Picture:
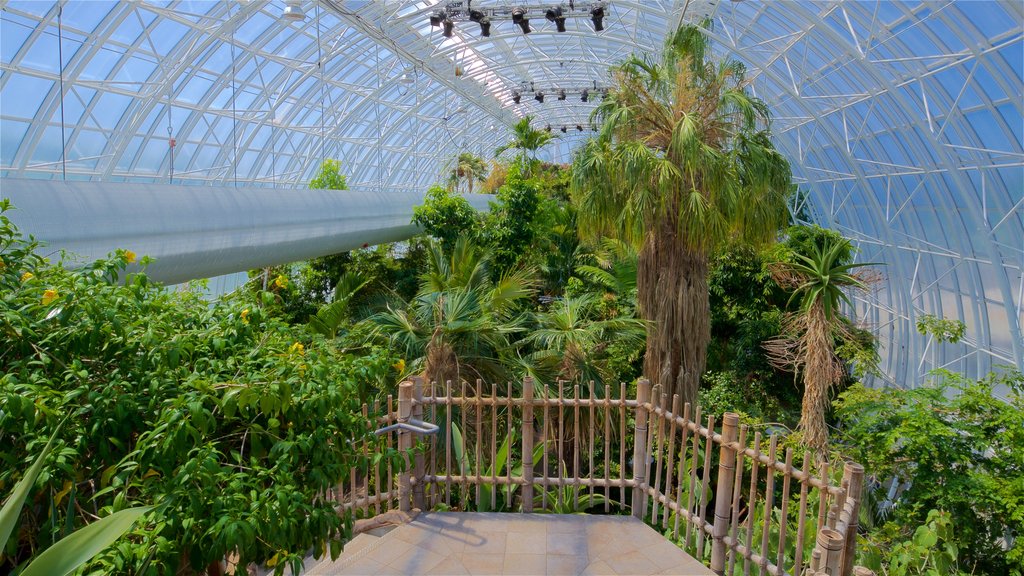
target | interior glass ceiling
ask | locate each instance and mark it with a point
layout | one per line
(902, 120)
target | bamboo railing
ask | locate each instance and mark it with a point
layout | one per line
(726, 494)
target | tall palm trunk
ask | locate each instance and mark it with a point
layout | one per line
(672, 294)
(821, 370)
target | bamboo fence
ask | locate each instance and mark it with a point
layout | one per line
(729, 497)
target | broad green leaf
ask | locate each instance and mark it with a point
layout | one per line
(69, 554)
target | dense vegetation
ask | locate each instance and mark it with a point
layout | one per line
(226, 419)
(232, 417)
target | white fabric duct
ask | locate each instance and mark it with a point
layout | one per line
(203, 231)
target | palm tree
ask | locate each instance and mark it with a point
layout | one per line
(527, 141)
(811, 334)
(683, 163)
(570, 339)
(469, 168)
(461, 324)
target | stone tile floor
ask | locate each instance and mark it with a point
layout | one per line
(451, 543)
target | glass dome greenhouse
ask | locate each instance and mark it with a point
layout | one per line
(903, 121)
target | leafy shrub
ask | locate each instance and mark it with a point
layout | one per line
(227, 420)
(446, 216)
(954, 446)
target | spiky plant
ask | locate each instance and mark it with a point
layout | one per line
(819, 281)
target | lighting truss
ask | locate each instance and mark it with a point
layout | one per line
(562, 92)
(462, 11)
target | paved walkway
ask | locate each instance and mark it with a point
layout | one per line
(450, 543)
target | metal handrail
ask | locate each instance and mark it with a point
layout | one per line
(414, 426)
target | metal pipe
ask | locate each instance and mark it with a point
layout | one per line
(205, 231)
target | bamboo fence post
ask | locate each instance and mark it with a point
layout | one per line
(405, 439)
(853, 475)
(830, 542)
(528, 444)
(726, 476)
(418, 500)
(643, 394)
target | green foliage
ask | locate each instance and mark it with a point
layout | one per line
(71, 552)
(527, 141)
(957, 447)
(511, 227)
(329, 177)
(221, 416)
(461, 322)
(469, 168)
(723, 392)
(943, 330)
(932, 551)
(823, 276)
(446, 216)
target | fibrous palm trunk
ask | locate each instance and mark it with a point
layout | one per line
(822, 369)
(672, 293)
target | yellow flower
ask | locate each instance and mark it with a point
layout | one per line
(280, 281)
(129, 256)
(245, 315)
(49, 296)
(297, 348)
(27, 276)
(399, 366)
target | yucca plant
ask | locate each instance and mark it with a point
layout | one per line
(809, 341)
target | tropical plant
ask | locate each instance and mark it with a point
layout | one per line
(218, 414)
(570, 342)
(957, 445)
(487, 498)
(74, 550)
(569, 499)
(511, 226)
(682, 164)
(329, 177)
(469, 168)
(808, 343)
(445, 216)
(527, 141)
(332, 316)
(460, 324)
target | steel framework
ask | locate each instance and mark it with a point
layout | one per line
(903, 120)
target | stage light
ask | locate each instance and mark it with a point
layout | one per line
(476, 15)
(520, 19)
(555, 15)
(516, 96)
(485, 27)
(449, 28)
(548, 127)
(597, 16)
(436, 18)
(539, 97)
(585, 95)
(561, 94)
(563, 129)
(579, 128)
